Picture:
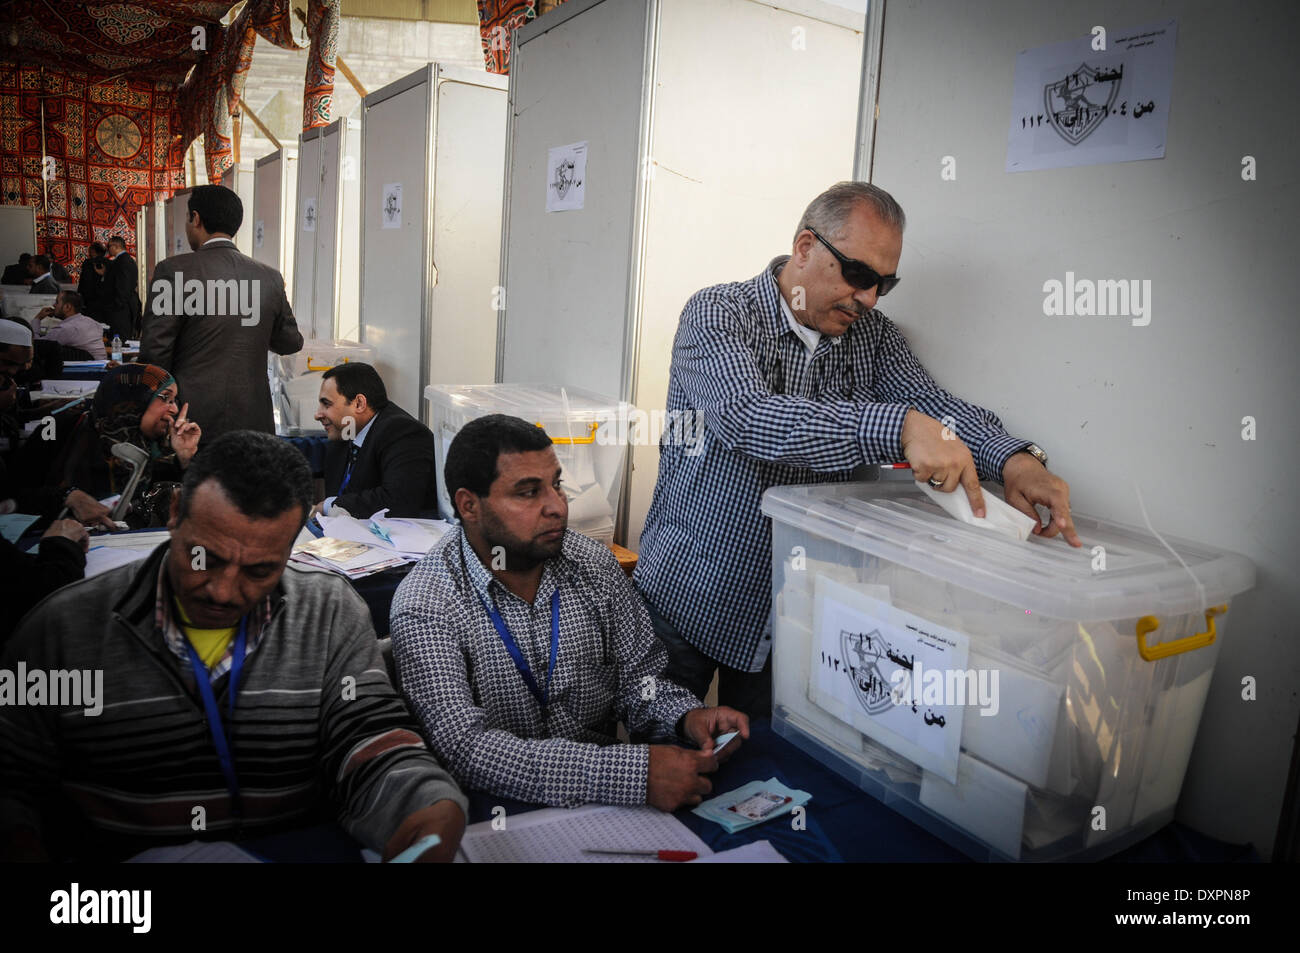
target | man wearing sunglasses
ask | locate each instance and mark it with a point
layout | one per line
(796, 378)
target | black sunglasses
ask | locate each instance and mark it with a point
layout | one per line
(858, 273)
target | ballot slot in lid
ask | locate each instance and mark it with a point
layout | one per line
(1090, 714)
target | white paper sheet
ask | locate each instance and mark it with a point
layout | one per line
(390, 205)
(984, 801)
(1019, 738)
(110, 557)
(196, 852)
(557, 836)
(759, 852)
(999, 516)
(1073, 105)
(859, 643)
(566, 177)
(146, 541)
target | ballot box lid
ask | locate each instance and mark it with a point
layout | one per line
(1132, 574)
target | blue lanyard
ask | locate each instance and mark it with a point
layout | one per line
(541, 694)
(347, 474)
(219, 737)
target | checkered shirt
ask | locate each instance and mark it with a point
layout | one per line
(772, 418)
(481, 719)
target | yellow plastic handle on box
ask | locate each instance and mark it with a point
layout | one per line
(323, 367)
(1149, 623)
(572, 440)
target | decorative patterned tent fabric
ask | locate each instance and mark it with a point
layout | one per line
(318, 92)
(113, 146)
(120, 110)
(496, 18)
(150, 40)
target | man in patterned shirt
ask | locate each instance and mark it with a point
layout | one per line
(793, 377)
(521, 644)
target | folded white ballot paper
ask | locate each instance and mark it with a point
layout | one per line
(1001, 517)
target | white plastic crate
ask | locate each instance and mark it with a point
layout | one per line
(1092, 713)
(588, 430)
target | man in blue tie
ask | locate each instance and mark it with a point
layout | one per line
(380, 457)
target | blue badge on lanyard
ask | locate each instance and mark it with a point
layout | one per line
(219, 736)
(541, 694)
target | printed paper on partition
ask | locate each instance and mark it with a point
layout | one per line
(1073, 105)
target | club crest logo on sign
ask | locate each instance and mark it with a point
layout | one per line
(863, 653)
(1079, 101)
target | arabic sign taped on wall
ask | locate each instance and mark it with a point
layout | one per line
(1102, 98)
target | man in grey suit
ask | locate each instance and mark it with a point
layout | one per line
(212, 316)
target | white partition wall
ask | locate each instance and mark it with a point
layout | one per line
(270, 221)
(327, 239)
(711, 128)
(239, 180)
(306, 205)
(1126, 406)
(17, 232)
(431, 229)
(176, 212)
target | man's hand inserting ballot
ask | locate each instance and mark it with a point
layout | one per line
(1027, 482)
(944, 462)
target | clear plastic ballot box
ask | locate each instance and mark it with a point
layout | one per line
(590, 434)
(1021, 700)
(295, 381)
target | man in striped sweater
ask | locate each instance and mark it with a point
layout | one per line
(211, 691)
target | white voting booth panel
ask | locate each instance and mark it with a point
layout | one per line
(239, 179)
(431, 229)
(325, 282)
(270, 220)
(152, 242)
(17, 232)
(176, 214)
(711, 128)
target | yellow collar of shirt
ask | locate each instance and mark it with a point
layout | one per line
(211, 644)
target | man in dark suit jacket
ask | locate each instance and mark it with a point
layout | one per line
(121, 293)
(43, 283)
(91, 284)
(379, 455)
(212, 316)
(17, 274)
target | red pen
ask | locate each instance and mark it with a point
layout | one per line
(672, 855)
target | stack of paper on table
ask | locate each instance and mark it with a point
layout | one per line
(558, 836)
(411, 538)
(350, 559)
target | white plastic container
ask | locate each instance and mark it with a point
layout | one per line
(589, 432)
(1091, 713)
(299, 376)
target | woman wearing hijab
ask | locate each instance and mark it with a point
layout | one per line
(136, 404)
